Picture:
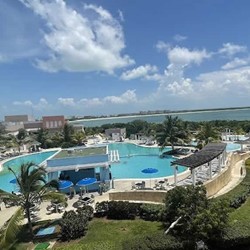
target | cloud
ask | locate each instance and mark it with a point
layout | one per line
(162, 46)
(184, 56)
(40, 105)
(236, 62)
(80, 42)
(179, 38)
(121, 16)
(230, 49)
(127, 97)
(66, 101)
(139, 72)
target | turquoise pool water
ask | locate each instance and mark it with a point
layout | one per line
(233, 147)
(134, 158)
(6, 176)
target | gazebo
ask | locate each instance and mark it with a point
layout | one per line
(205, 155)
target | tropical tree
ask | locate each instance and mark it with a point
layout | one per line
(33, 187)
(68, 132)
(190, 215)
(172, 132)
(207, 134)
(42, 137)
(78, 137)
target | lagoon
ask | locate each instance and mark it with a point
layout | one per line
(240, 114)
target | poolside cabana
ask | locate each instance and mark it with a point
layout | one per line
(78, 163)
(204, 156)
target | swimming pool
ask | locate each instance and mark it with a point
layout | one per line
(6, 176)
(232, 147)
(134, 158)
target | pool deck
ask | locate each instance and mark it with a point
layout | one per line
(124, 185)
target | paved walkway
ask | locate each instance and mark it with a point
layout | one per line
(236, 178)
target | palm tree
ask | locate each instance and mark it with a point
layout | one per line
(207, 134)
(78, 137)
(172, 132)
(33, 187)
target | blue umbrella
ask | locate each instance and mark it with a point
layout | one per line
(85, 182)
(150, 171)
(65, 184)
(13, 181)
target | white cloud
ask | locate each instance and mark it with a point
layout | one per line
(40, 105)
(184, 56)
(121, 16)
(66, 101)
(127, 97)
(236, 62)
(162, 46)
(83, 42)
(230, 49)
(139, 72)
(179, 38)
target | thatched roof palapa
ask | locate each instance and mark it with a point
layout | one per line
(205, 155)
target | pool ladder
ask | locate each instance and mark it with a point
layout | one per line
(114, 156)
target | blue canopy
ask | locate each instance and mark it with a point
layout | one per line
(13, 181)
(86, 181)
(149, 170)
(65, 184)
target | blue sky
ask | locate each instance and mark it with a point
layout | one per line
(113, 56)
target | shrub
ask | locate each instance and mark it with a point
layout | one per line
(238, 201)
(151, 212)
(101, 209)
(74, 224)
(120, 210)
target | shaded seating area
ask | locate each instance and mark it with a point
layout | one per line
(202, 164)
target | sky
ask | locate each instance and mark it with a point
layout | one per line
(103, 57)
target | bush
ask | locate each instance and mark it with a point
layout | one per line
(238, 201)
(118, 210)
(121, 210)
(74, 224)
(151, 212)
(101, 209)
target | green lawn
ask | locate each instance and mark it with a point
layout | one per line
(109, 234)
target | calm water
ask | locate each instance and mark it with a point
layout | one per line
(239, 115)
(6, 176)
(134, 158)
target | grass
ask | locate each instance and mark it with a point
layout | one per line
(109, 234)
(80, 152)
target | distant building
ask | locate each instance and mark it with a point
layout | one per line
(116, 134)
(33, 126)
(17, 119)
(13, 123)
(53, 122)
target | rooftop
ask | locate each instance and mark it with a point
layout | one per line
(207, 154)
(80, 152)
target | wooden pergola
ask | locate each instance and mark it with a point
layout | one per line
(205, 155)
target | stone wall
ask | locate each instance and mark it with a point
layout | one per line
(140, 195)
(216, 184)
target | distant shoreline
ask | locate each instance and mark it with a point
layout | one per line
(161, 114)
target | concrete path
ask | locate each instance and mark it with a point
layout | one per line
(236, 178)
